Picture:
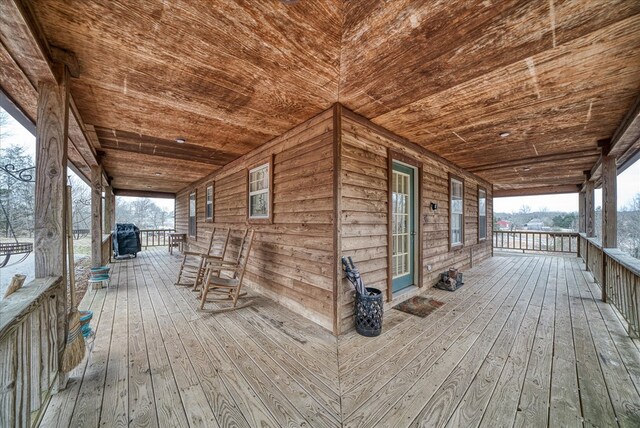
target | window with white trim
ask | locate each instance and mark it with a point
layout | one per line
(259, 192)
(208, 207)
(482, 214)
(456, 191)
(192, 214)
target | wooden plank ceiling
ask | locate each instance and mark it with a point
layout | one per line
(451, 76)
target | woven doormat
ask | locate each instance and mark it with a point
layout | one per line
(420, 306)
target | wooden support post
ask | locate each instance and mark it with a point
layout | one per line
(52, 129)
(609, 203)
(590, 209)
(582, 203)
(609, 214)
(109, 209)
(96, 216)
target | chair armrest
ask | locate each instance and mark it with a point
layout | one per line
(210, 257)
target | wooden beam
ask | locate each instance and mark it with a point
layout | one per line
(590, 209)
(609, 203)
(96, 216)
(582, 205)
(625, 143)
(109, 209)
(50, 201)
(545, 190)
(143, 194)
(535, 160)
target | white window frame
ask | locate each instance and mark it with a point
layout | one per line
(481, 215)
(266, 190)
(193, 201)
(452, 180)
(208, 202)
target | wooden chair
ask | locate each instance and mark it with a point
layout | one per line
(224, 278)
(192, 268)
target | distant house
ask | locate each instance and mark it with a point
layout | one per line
(535, 224)
(504, 224)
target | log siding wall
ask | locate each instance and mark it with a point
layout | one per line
(292, 259)
(365, 171)
(292, 256)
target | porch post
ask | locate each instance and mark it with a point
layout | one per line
(609, 203)
(590, 210)
(52, 127)
(109, 209)
(96, 216)
(582, 201)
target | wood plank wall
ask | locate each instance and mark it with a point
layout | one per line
(364, 209)
(292, 258)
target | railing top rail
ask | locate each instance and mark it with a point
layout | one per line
(23, 301)
(595, 241)
(541, 232)
(624, 259)
(157, 230)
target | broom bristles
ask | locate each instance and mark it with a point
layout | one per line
(75, 349)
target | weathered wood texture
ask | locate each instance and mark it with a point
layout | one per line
(96, 216)
(449, 76)
(109, 210)
(364, 208)
(292, 257)
(582, 217)
(508, 349)
(28, 351)
(609, 202)
(590, 209)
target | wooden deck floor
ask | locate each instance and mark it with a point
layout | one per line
(523, 343)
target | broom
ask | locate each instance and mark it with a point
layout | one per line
(75, 349)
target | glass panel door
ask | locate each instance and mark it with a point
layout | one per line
(402, 227)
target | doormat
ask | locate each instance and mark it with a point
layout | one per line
(420, 306)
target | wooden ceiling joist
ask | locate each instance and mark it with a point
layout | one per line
(143, 194)
(536, 160)
(532, 191)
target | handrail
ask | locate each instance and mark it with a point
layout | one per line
(556, 242)
(31, 330)
(155, 237)
(619, 277)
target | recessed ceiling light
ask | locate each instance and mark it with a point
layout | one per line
(526, 168)
(158, 173)
(504, 134)
(148, 187)
(180, 140)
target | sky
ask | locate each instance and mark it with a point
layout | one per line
(628, 184)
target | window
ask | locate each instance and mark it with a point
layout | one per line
(456, 203)
(482, 214)
(192, 214)
(259, 192)
(208, 207)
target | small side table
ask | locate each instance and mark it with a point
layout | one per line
(177, 239)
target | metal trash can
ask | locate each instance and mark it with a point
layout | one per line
(369, 310)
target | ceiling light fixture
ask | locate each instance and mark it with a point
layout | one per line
(504, 134)
(158, 173)
(180, 140)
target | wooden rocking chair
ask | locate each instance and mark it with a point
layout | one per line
(227, 287)
(192, 269)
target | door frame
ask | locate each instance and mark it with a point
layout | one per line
(394, 156)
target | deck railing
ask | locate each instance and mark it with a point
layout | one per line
(155, 237)
(29, 338)
(619, 277)
(557, 242)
